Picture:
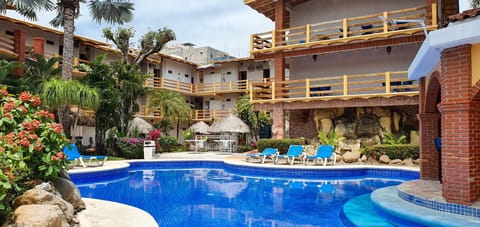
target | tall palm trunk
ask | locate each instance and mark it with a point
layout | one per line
(69, 29)
(67, 64)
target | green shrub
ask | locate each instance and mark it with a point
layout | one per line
(130, 148)
(330, 138)
(391, 139)
(167, 143)
(31, 146)
(281, 144)
(398, 151)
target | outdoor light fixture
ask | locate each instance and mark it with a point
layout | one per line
(314, 57)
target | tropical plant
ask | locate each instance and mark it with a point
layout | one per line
(58, 95)
(171, 105)
(111, 11)
(187, 134)
(167, 143)
(30, 146)
(106, 117)
(37, 71)
(6, 78)
(26, 8)
(475, 3)
(254, 120)
(131, 148)
(330, 139)
(129, 80)
(391, 139)
(150, 43)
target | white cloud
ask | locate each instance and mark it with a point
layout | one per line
(222, 24)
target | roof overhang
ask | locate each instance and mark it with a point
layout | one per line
(84, 40)
(456, 34)
(267, 7)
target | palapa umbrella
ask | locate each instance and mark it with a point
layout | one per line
(140, 125)
(200, 128)
(230, 124)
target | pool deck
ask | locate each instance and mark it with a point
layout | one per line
(115, 213)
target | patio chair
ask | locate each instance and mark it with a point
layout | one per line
(73, 155)
(266, 153)
(294, 151)
(324, 152)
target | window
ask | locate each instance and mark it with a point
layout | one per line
(266, 73)
(229, 73)
(243, 75)
(228, 100)
(170, 71)
(186, 75)
(10, 33)
(50, 42)
(212, 72)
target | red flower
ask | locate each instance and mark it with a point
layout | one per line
(3, 92)
(60, 155)
(23, 109)
(24, 96)
(36, 101)
(24, 142)
(8, 106)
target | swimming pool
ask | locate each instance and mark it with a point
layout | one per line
(208, 193)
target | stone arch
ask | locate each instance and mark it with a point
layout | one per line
(476, 91)
(433, 94)
(430, 128)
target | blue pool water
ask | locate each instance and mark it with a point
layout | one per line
(218, 194)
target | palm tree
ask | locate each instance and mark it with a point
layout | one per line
(110, 11)
(172, 106)
(475, 3)
(57, 95)
(26, 8)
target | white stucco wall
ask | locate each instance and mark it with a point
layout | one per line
(225, 73)
(326, 10)
(255, 69)
(353, 62)
(178, 69)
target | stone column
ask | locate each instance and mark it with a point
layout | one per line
(429, 156)
(460, 128)
(39, 46)
(19, 48)
(278, 127)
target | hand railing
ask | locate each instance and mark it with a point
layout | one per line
(344, 30)
(374, 84)
(7, 44)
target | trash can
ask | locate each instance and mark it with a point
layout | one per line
(148, 149)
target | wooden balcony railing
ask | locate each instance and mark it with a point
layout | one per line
(338, 87)
(198, 89)
(209, 115)
(197, 115)
(7, 46)
(374, 26)
(76, 61)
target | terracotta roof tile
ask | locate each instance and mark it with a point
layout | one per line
(464, 15)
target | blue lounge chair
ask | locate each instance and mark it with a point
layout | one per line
(324, 152)
(266, 153)
(294, 151)
(72, 154)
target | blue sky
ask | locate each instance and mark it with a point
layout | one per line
(222, 24)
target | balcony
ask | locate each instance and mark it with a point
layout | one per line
(209, 115)
(201, 89)
(385, 84)
(379, 26)
(197, 115)
(77, 73)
